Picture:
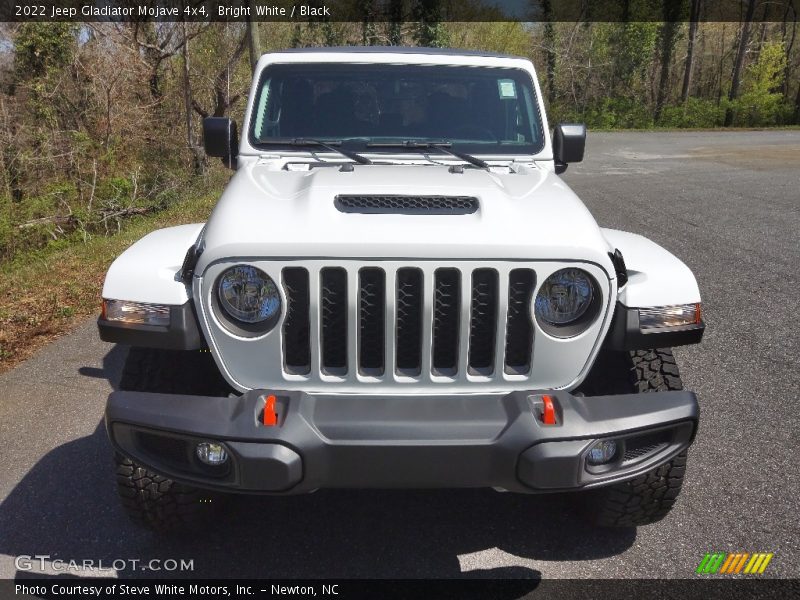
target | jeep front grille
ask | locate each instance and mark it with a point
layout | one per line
(402, 326)
(477, 321)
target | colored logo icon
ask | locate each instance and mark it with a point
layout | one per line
(733, 563)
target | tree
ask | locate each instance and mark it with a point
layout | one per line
(157, 43)
(198, 162)
(395, 23)
(669, 34)
(689, 63)
(430, 31)
(744, 37)
(797, 107)
(761, 100)
(39, 47)
(550, 50)
(368, 29)
(788, 45)
(222, 99)
(253, 40)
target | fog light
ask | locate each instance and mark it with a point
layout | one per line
(602, 452)
(211, 453)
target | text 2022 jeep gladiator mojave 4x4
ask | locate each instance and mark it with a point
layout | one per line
(396, 290)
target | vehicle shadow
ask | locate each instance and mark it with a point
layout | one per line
(113, 363)
(66, 507)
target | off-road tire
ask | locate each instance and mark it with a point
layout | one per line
(649, 497)
(158, 503)
(152, 500)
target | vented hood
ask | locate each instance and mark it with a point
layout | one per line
(278, 213)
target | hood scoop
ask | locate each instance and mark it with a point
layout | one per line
(406, 205)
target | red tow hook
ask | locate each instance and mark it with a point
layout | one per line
(270, 418)
(548, 410)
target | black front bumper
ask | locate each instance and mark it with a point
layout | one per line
(335, 441)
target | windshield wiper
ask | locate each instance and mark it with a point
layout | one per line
(443, 146)
(332, 146)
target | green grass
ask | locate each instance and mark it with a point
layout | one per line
(43, 293)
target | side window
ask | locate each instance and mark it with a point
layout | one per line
(261, 108)
(274, 108)
(525, 124)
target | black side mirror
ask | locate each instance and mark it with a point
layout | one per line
(220, 138)
(569, 142)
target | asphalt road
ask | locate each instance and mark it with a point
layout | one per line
(725, 203)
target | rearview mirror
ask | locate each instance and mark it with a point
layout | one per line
(220, 138)
(569, 142)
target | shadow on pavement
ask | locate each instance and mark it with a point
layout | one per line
(66, 507)
(113, 362)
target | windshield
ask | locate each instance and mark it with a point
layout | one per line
(478, 109)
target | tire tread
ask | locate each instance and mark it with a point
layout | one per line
(152, 500)
(650, 497)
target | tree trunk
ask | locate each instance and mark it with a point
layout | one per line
(797, 107)
(197, 158)
(429, 30)
(687, 69)
(253, 40)
(13, 177)
(720, 66)
(222, 98)
(395, 25)
(737, 65)
(550, 51)
(762, 36)
(368, 30)
(787, 73)
(669, 33)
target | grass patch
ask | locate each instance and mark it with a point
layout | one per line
(44, 293)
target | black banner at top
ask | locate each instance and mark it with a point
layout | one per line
(396, 10)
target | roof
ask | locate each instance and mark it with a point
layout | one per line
(398, 50)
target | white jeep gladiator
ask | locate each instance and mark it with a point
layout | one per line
(397, 290)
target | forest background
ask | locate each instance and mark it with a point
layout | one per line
(100, 123)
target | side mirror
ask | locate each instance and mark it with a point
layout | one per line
(569, 142)
(220, 138)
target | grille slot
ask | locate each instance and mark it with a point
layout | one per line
(643, 445)
(371, 320)
(408, 330)
(407, 205)
(296, 330)
(519, 329)
(483, 321)
(446, 308)
(333, 317)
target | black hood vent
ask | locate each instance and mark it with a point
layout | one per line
(407, 205)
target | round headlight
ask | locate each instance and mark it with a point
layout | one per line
(564, 297)
(249, 295)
